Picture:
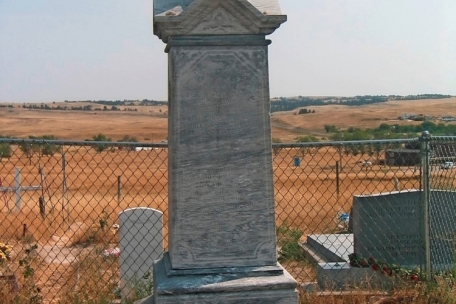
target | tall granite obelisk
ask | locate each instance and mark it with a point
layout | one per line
(222, 242)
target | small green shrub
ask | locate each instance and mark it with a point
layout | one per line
(288, 242)
(101, 137)
(49, 149)
(5, 149)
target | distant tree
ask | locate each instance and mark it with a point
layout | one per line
(128, 138)
(29, 149)
(384, 127)
(308, 138)
(5, 150)
(101, 138)
(341, 148)
(47, 148)
(330, 128)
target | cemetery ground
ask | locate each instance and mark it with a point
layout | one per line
(306, 202)
(306, 198)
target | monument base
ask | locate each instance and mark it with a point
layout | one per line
(247, 287)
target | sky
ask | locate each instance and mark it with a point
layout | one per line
(55, 50)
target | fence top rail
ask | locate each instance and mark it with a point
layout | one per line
(18, 141)
(344, 143)
(165, 145)
(437, 138)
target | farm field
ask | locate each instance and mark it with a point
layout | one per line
(286, 125)
(149, 123)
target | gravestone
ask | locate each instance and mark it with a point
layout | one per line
(141, 243)
(391, 227)
(222, 242)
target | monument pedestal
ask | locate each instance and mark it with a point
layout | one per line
(222, 233)
(252, 285)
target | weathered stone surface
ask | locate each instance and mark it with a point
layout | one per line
(141, 243)
(271, 7)
(222, 288)
(216, 17)
(222, 244)
(331, 247)
(390, 226)
(221, 190)
(340, 276)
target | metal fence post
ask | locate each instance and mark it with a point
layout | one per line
(337, 179)
(119, 189)
(425, 165)
(64, 190)
(17, 188)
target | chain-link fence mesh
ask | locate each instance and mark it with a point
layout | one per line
(442, 202)
(332, 200)
(315, 189)
(66, 197)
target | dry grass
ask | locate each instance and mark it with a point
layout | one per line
(286, 125)
(80, 125)
(306, 197)
(149, 124)
(438, 292)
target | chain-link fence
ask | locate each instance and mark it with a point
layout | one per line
(372, 198)
(65, 197)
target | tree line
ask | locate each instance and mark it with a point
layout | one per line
(74, 108)
(125, 102)
(40, 147)
(289, 104)
(387, 131)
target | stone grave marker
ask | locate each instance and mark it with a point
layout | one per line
(222, 242)
(391, 227)
(141, 243)
(442, 217)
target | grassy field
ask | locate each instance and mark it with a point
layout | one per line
(149, 123)
(286, 125)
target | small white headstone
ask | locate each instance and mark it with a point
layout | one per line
(141, 243)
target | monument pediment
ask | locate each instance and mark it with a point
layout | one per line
(216, 17)
(163, 6)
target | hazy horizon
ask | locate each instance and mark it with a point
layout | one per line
(272, 97)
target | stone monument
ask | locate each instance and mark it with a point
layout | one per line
(222, 242)
(391, 227)
(141, 243)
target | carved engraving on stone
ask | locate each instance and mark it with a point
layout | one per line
(388, 227)
(217, 22)
(221, 137)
